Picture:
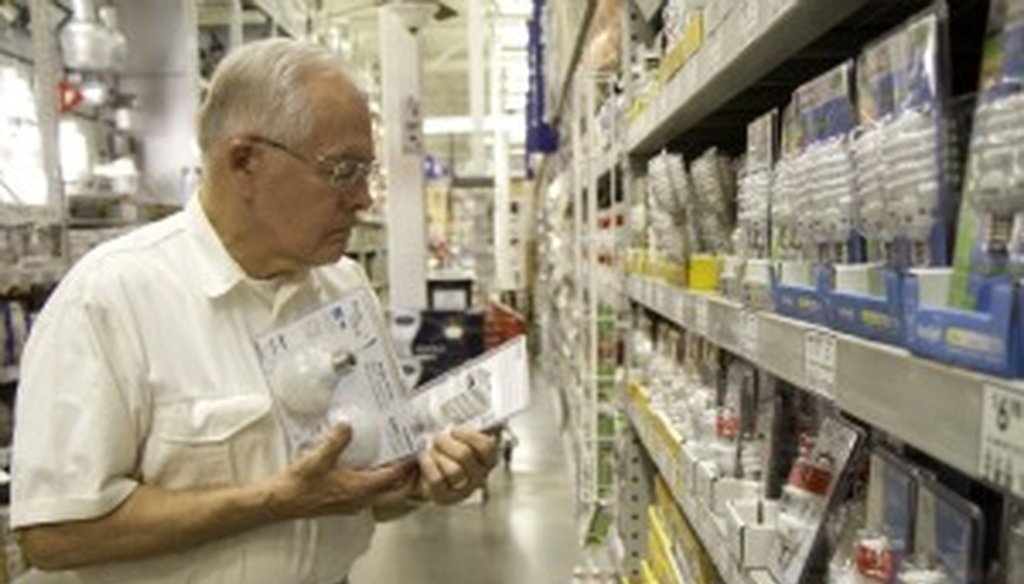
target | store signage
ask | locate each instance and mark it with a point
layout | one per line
(1001, 457)
(750, 335)
(540, 136)
(820, 361)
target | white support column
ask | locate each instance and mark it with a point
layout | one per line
(403, 163)
(502, 176)
(235, 35)
(476, 36)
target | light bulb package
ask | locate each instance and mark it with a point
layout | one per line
(948, 534)
(1013, 536)
(884, 538)
(990, 238)
(828, 211)
(338, 364)
(481, 393)
(754, 188)
(814, 482)
(786, 187)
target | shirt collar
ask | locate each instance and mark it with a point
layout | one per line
(218, 273)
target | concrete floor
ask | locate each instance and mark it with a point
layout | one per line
(525, 533)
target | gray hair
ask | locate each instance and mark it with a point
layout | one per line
(260, 87)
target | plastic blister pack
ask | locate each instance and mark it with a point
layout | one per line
(807, 498)
(948, 535)
(714, 185)
(668, 192)
(827, 196)
(337, 364)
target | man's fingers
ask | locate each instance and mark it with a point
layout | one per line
(484, 445)
(433, 476)
(474, 454)
(374, 481)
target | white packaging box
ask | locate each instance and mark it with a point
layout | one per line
(690, 458)
(729, 489)
(749, 541)
(707, 474)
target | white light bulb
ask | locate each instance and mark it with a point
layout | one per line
(304, 381)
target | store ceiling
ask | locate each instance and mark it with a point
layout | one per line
(445, 58)
(442, 48)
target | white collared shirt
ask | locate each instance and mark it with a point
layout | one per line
(142, 369)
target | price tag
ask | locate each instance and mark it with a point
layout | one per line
(820, 361)
(700, 315)
(750, 335)
(1001, 459)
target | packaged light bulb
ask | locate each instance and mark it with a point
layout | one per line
(808, 497)
(338, 364)
(948, 538)
(1013, 534)
(826, 199)
(997, 174)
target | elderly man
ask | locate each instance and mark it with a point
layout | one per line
(146, 447)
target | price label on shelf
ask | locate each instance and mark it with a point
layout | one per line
(1001, 459)
(750, 335)
(700, 315)
(820, 361)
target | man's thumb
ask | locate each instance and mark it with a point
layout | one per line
(325, 456)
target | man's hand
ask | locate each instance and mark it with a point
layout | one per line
(456, 464)
(314, 485)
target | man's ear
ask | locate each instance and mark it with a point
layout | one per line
(242, 156)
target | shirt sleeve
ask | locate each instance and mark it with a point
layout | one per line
(76, 438)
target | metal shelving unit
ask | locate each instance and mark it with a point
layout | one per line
(709, 528)
(934, 407)
(777, 29)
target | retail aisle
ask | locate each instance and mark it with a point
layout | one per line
(525, 533)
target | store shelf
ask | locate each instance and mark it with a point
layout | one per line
(728, 64)
(928, 405)
(8, 374)
(18, 279)
(15, 45)
(606, 161)
(710, 529)
(580, 36)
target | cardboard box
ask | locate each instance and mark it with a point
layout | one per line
(749, 540)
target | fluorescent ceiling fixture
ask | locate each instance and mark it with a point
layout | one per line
(515, 103)
(513, 35)
(514, 7)
(443, 125)
(516, 72)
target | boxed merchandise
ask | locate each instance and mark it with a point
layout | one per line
(972, 315)
(751, 528)
(948, 536)
(874, 533)
(815, 480)
(905, 179)
(754, 200)
(813, 184)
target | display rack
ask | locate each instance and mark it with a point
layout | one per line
(936, 408)
(774, 31)
(750, 57)
(652, 430)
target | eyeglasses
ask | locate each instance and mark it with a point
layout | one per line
(341, 174)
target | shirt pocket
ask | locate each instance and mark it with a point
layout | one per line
(195, 442)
